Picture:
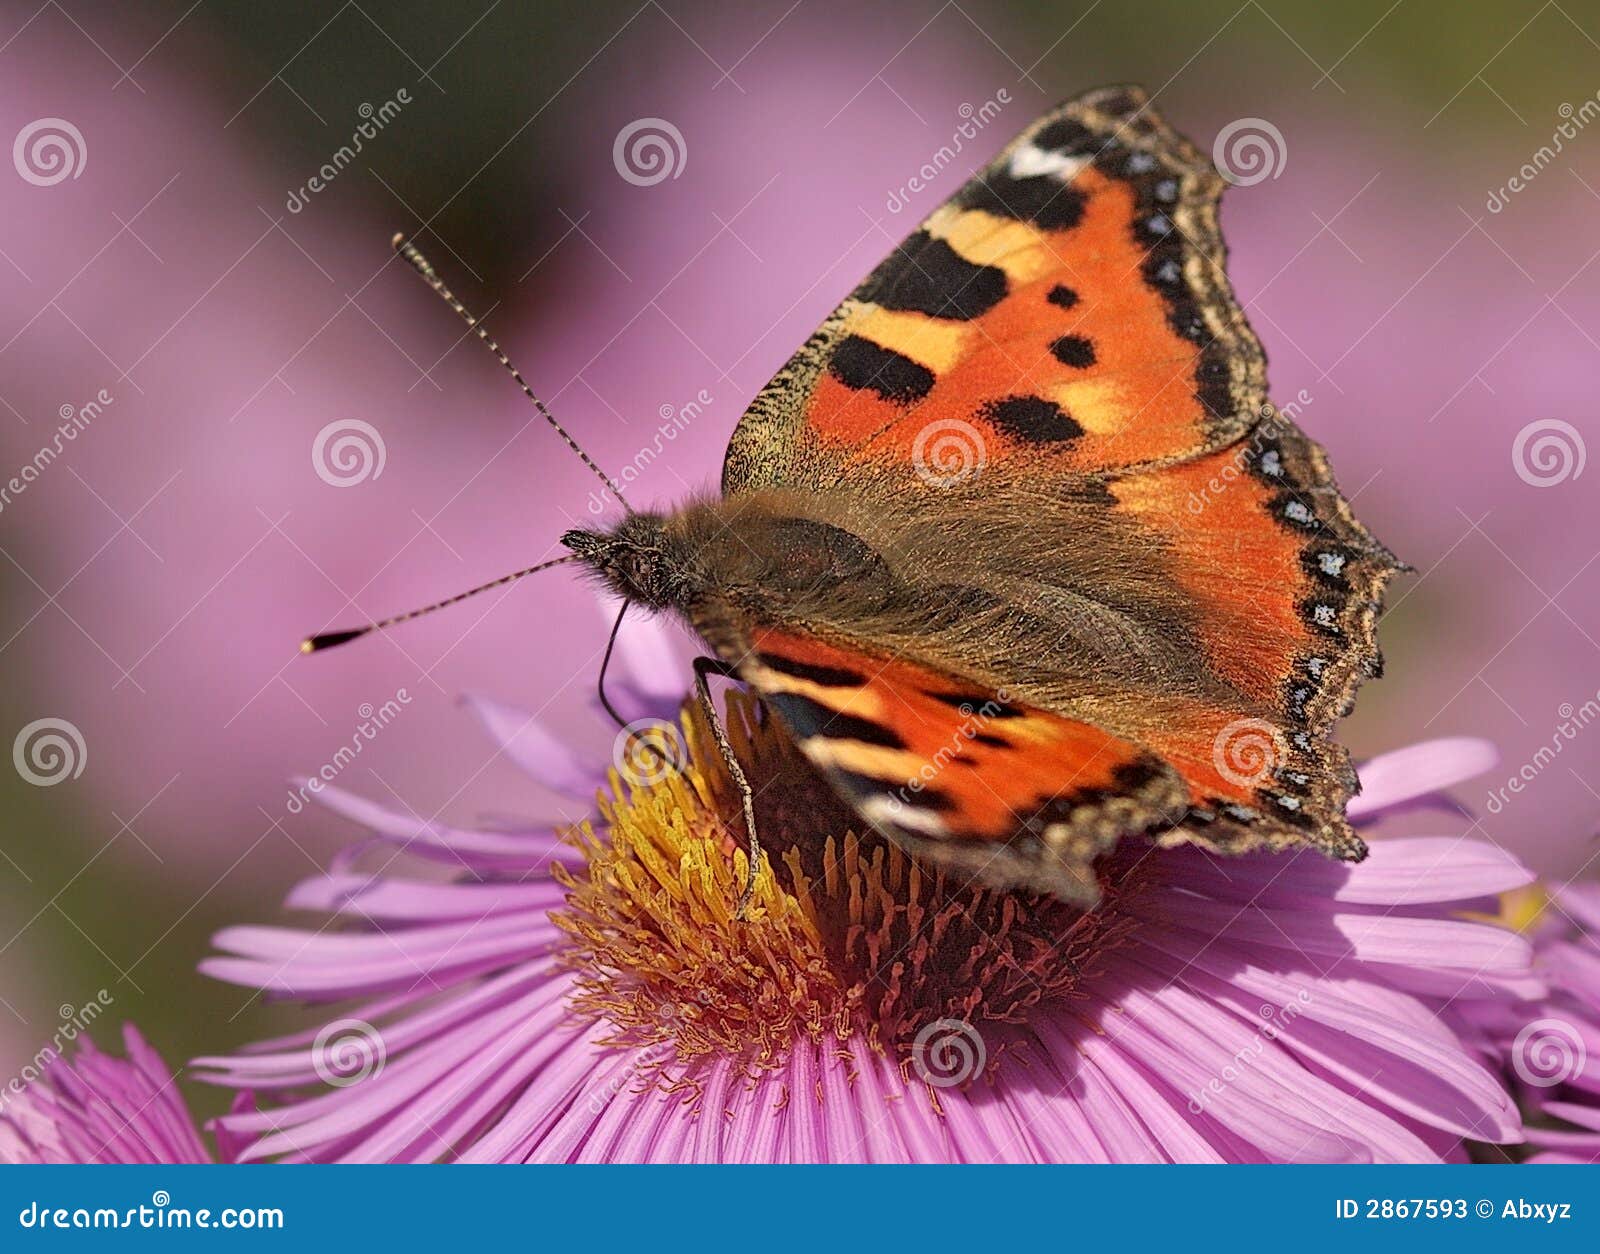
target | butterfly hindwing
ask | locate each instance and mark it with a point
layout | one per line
(1290, 586)
(1010, 793)
(1068, 306)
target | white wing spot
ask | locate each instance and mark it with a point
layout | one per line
(1030, 161)
(895, 813)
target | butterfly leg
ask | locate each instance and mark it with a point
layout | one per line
(703, 667)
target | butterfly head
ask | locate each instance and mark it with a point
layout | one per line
(635, 559)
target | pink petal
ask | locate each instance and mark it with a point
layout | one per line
(1418, 770)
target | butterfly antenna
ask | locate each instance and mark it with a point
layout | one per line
(605, 663)
(424, 267)
(331, 639)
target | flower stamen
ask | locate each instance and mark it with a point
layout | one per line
(845, 934)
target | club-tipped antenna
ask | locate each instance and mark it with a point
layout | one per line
(424, 267)
(331, 639)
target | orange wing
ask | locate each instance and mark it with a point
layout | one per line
(1008, 792)
(1068, 306)
(1288, 587)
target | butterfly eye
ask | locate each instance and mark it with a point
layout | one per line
(643, 574)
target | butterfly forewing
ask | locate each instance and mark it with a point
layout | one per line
(1068, 305)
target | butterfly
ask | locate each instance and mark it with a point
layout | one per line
(1015, 546)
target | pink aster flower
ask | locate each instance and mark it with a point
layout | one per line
(590, 996)
(97, 1108)
(1551, 1045)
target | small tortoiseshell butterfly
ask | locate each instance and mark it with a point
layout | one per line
(1015, 546)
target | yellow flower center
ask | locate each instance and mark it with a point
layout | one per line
(845, 933)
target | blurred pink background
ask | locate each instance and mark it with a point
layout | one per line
(161, 571)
